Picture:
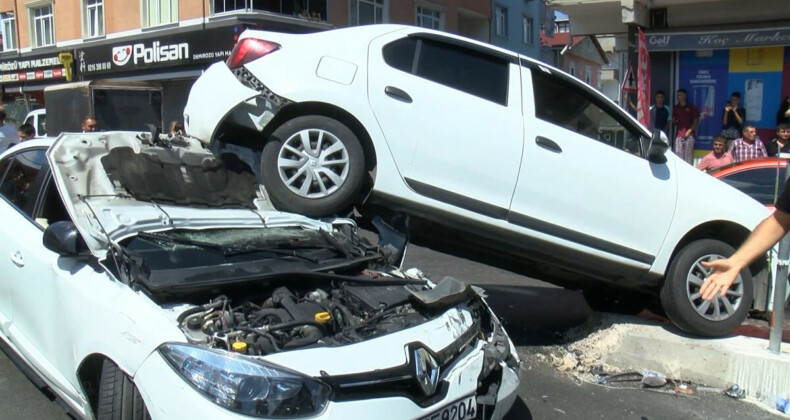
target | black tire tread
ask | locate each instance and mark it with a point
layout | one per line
(119, 398)
(674, 297)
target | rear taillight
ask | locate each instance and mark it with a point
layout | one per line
(249, 49)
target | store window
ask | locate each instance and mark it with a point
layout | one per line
(42, 26)
(8, 27)
(527, 24)
(429, 18)
(500, 16)
(307, 9)
(366, 12)
(159, 12)
(93, 18)
(568, 104)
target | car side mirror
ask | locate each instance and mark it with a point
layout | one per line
(659, 144)
(64, 239)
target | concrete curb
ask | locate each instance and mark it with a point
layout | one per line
(717, 362)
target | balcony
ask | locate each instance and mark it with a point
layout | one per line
(310, 10)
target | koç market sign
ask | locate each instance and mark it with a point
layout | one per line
(193, 47)
(717, 40)
(31, 68)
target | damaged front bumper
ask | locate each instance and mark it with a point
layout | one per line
(477, 373)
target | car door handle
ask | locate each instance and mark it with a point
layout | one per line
(398, 94)
(16, 258)
(548, 144)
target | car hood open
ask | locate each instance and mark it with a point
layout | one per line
(115, 184)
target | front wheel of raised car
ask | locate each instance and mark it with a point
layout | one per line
(119, 398)
(681, 299)
(313, 165)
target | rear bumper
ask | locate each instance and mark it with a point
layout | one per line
(213, 97)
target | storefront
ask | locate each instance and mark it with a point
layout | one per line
(23, 81)
(711, 65)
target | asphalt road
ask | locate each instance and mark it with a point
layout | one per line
(536, 314)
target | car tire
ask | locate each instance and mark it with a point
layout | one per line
(618, 301)
(680, 292)
(119, 398)
(313, 165)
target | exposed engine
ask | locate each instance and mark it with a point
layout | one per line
(288, 317)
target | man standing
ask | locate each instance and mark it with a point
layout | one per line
(659, 113)
(747, 147)
(732, 117)
(781, 143)
(719, 156)
(8, 136)
(685, 117)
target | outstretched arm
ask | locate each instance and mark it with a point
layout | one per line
(724, 272)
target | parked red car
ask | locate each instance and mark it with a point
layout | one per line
(761, 179)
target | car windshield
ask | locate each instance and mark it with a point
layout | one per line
(181, 258)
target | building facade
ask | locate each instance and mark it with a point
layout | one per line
(46, 42)
(515, 25)
(709, 48)
(581, 56)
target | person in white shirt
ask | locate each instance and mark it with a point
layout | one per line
(8, 135)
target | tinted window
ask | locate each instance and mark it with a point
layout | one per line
(400, 54)
(20, 178)
(566, 104)
(473, 72)
(758, 183)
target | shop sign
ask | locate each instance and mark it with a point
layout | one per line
(34, 68)
(717, 40)
(158, 51)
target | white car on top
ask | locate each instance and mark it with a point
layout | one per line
(513, 156)
(145, 278)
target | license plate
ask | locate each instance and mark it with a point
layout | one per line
(463, 409)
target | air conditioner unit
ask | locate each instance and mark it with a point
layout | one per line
(658, 18)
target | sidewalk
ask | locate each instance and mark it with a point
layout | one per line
(721, 362)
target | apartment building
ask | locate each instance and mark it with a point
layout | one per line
(46, 42)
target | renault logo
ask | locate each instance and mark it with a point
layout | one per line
(426, 370)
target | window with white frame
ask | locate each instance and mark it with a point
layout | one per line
(500, 16)
(42, 25)
(159, 12)
(8, 22)
(429, 18)
(93, 18)
(527, 25)
(572, 68)
(588, 75)
(366, 12)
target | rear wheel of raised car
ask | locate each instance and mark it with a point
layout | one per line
(119, 399)
(313, 165)
(681, 299)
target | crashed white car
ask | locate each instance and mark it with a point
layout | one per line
(486, 149)
(145, 278)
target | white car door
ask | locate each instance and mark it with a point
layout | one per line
(585, 177)
(451, 115)
(39, 328)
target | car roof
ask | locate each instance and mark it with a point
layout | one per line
(748, 164)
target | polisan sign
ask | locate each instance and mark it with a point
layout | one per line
(202, 46)
(154, 54)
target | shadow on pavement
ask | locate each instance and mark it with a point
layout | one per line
(537, 315)
(519, 411)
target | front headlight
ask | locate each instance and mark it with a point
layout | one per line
(245, 385)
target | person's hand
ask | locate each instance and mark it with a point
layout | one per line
(728, 108)
(721, 277)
